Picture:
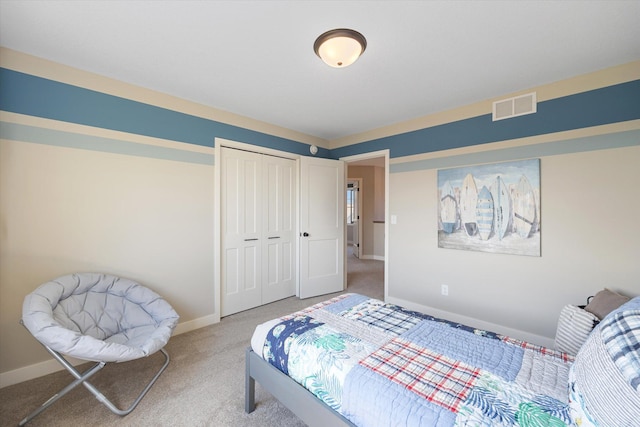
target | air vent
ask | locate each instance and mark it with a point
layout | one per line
(513, 107)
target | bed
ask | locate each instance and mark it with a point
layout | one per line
(353, 360)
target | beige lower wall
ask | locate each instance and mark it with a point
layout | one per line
(378, 240)
(589, 241)
(65, 210)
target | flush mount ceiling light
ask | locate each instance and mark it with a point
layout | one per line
(340, 48)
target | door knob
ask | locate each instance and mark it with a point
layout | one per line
(305, 234)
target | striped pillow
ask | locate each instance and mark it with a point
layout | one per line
(574, 326)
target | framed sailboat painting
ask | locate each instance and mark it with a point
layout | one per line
(491, 208)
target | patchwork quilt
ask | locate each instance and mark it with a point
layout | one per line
(382, 365)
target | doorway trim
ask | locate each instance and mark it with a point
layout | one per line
(372, 155)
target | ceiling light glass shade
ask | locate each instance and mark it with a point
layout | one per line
(340, 48)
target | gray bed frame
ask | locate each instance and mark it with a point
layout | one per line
(311, 410)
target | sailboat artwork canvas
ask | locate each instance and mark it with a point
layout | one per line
(491, 208)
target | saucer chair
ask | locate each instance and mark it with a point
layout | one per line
(99, 318)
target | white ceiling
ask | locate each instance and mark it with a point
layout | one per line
(256, 59)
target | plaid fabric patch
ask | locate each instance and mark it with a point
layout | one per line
(621, 337)
(565, 357)
(389, 319)
(307, 311)
(440, 380)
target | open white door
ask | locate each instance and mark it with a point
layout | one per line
(322, 227)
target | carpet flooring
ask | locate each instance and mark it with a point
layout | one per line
(203, 385)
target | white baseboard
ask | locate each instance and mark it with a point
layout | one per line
(374, 257)
(194, 324)
(50, 366)
(476, 323)
(30, 372)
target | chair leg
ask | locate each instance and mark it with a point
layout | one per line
(127, 411)
(82, 379)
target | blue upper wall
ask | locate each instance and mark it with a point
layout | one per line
(610, 104)
(35, 96)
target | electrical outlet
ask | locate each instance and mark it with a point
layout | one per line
(445, 290)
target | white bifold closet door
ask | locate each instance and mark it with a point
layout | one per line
(258, 221)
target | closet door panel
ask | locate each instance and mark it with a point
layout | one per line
(241, 223)
(279, 229)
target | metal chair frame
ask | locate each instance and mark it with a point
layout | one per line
(82, 378)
